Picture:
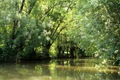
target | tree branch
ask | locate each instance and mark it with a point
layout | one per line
(57, 35)
(22, 5)
(57, 27)
(61, 20)
(31, 7)
(42, 17)
(15, 21)
(14, 26)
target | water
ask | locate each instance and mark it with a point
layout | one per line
(67, 69)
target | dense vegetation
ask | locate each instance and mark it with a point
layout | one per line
(40, 29)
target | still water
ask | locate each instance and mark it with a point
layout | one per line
(67, 69)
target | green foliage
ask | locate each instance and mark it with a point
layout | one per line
(26, 26)
(98, 28)
(34, 29)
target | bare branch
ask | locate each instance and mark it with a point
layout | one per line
(22, 5)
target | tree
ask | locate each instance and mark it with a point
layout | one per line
(98, 28)
(29, 27)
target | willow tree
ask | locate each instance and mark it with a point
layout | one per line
(98, 28)
(29, 27)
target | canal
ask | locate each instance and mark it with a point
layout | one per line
(60, 69)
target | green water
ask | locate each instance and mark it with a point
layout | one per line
(67, 69)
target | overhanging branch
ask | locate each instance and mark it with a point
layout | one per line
(22, 5)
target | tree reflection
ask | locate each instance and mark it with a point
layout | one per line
(52, 68)
(38, 69)
(58, 70)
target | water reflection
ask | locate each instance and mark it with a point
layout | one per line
(81, 69)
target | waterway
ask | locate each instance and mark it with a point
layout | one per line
(60, 69)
